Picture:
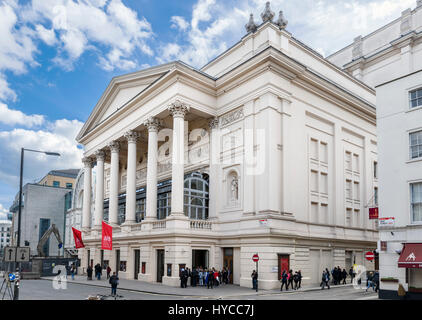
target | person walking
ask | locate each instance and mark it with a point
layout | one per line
(352, 274)
(376, 281)
(114, 281)
(370, 282)
(299, 279)
(295, 279)
(89, 272)
(344, 274)
(108, 272)
(254, 277)
(283, 280)
(73, 271)
(290, 279)
(325, 279)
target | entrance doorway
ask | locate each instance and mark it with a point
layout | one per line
(283, 264)
(160, 265)
(137, 263)
(228, 262)
(200, 258)
(117, 261)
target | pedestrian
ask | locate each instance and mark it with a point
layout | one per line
(299, 278)
(181, 277)
(352, 274)
(325, 279)
(290, 279)
(344, 274)
(114, 281)
(210, 279)
(283, 280)
(73, 271)
(89, 272)
(369, 282)
(295, 279)
(216, 278)
(376, 280)
(98, 271)
(254, 277)
(108, 272)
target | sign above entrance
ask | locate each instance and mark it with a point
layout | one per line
(383, 222)
(255, 257)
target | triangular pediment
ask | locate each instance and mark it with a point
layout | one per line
(120, 91)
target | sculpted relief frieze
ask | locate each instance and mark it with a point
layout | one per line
(231, 117)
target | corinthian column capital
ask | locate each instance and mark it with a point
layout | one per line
(100, 155)
(178, 109)
(114, 146)
(87, 161)
(213, 123)
(153, 124)
(132, 136)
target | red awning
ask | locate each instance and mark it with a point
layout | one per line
(411, 256)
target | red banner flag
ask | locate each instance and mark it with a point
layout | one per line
(373, 213)
(107, 237)
(77, 235)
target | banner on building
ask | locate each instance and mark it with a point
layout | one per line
(373, 213)
(386, 222)
(77, 235)
(107, 237)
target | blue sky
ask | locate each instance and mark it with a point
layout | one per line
(58, 56)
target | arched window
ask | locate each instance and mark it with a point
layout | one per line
(196, 196)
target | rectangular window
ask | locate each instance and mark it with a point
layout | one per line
(56, 183)
(416, 201)
(314, 181)
(357, 218)
(324, 152)
(376, 196)
(356, 190)
(314, 149)
(348, 189)
(314, 212)
(355, 162)
(324, 183)
(415, 98)
(375, 170)
(415, 144)
(348, 160)
(348, 217)
(69, 185)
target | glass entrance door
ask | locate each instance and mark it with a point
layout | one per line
(228, 262)
(160, 265)
(137, 260)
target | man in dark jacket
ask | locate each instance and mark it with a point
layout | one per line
(114, 281)
(283, 280)
(352, 274)
(89, 272)
(344, 273)
(376, 280)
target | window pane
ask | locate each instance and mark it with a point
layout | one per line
(413, 95)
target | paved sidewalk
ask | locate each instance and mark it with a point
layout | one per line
(223, 291)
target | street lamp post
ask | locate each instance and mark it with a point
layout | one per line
(16, 289)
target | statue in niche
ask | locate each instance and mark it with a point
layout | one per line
(234, 188)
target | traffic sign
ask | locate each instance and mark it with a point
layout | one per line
(9, 254)
(369, 256)
(255, 257)
(22, 254)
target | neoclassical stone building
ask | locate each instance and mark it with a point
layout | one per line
(268, 149)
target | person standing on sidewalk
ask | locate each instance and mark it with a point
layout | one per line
(73, 271)
(89, 272)
(283, 280)
(114, 281)
(344, 273)
(108, 272)
(210, 279)
(254, 277)
(352, 274)
(290, 279)
(299, 279)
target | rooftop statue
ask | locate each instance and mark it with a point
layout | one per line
(251, 25)
(267, 15)
(281, 21)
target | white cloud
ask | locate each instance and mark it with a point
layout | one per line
(5, 92)
(46, 35)
(3, 212)
(12, 117)
(58, 136)
(179, 23)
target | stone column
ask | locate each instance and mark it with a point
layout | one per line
(214, 168)
(86, 206)
(132, 138)
(99, 189)
(151, 201)
(178, 110)
(114, 182)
